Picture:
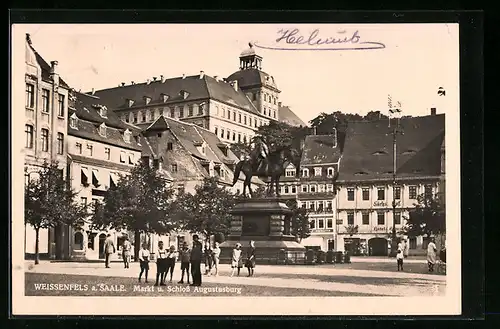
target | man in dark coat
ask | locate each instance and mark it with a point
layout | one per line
(195, 259)
(109, 248)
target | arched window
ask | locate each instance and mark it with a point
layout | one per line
(305, 172)
(78, 241)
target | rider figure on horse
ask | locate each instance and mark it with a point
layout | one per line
(262, 155)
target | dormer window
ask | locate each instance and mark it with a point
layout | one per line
(130, 102)
(126, 136)
(73, 121)
(164, 98)
(305, 172)
(330, 171)
(317, 171)
(103, 111)
(147, 99)
(380, 153)
(184, 94)
(102, 130)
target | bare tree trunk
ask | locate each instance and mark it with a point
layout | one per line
(37, 245)
(137, 244)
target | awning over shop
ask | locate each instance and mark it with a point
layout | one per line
(122, 156)
(113, 178)
(96, 181)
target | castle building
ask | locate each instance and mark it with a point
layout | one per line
(46, 109)
(365, 186)
(232, 108)
(319, 166)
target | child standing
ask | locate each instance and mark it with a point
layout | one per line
(399, 259)
(144, 262)
(161, 264)
(185, 258)
(236, 262)
(171, 258)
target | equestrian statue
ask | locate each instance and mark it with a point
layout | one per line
(264, 161)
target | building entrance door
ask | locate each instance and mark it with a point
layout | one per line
(102, 239)
(377, 247)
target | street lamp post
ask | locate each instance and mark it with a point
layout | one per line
(395, 131)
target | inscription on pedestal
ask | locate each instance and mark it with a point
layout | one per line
(255, 226)
(277, 225)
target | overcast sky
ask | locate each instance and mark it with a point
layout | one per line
(416, 61)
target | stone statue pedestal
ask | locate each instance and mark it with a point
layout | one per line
(267, 222)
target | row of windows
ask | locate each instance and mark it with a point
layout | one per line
(318, 171)
(231, 135)
(317, 206)
(124, 158)
(94, 177)
(127, 134)
(365, 218)
(29, 133)
(270, 98)
(317, 188)
(238, 117)
(381, 195)
(321, 223)
(30, 100)
(176, 112)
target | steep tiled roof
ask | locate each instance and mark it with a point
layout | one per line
(89, 121)
(286, 115)
(197, 88)
(320, 149)
(368, 151)
(44, 66)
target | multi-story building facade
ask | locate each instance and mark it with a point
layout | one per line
(319, 167)
(46, 113)
(101, 148)
(232, 108)
(365, 216)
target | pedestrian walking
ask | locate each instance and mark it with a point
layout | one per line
(109, 248)
(207, 252)
(144, 262)
(185, 258)
(236, 260)
(400, 256)
(406, 248)
(126, 252)
(171, 258)
(195, 260)
(431, 254)
(161, 265)
(216, 258)
(250, 262)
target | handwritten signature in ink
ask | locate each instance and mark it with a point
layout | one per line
(293, 39)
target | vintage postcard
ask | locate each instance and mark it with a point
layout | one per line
(231, 169)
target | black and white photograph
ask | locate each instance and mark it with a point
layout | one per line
(245, 169)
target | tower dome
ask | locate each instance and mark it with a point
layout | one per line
(248, 52)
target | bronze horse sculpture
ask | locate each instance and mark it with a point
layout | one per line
(265, 163)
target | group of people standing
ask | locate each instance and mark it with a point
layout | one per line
(432, 254)
(190, 260)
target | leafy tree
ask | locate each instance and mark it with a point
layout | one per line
(49, 201)
(140, 202)
(375, 115)
(207, 211)
(427, 218)
(299, 221)
(241, 148)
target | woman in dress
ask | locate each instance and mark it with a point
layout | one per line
(250, 262)
(236, 261)
(431, 255)
(216, 258)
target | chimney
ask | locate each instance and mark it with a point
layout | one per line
(334, 133)
(123, 84)
(162, 78)
(154, 78)
(93, 91)
(53, 67)
(148, 81)
(202, 74)
(183, 76)
(433, 111)
(279, 104)
(216, 78)
(133, 82)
